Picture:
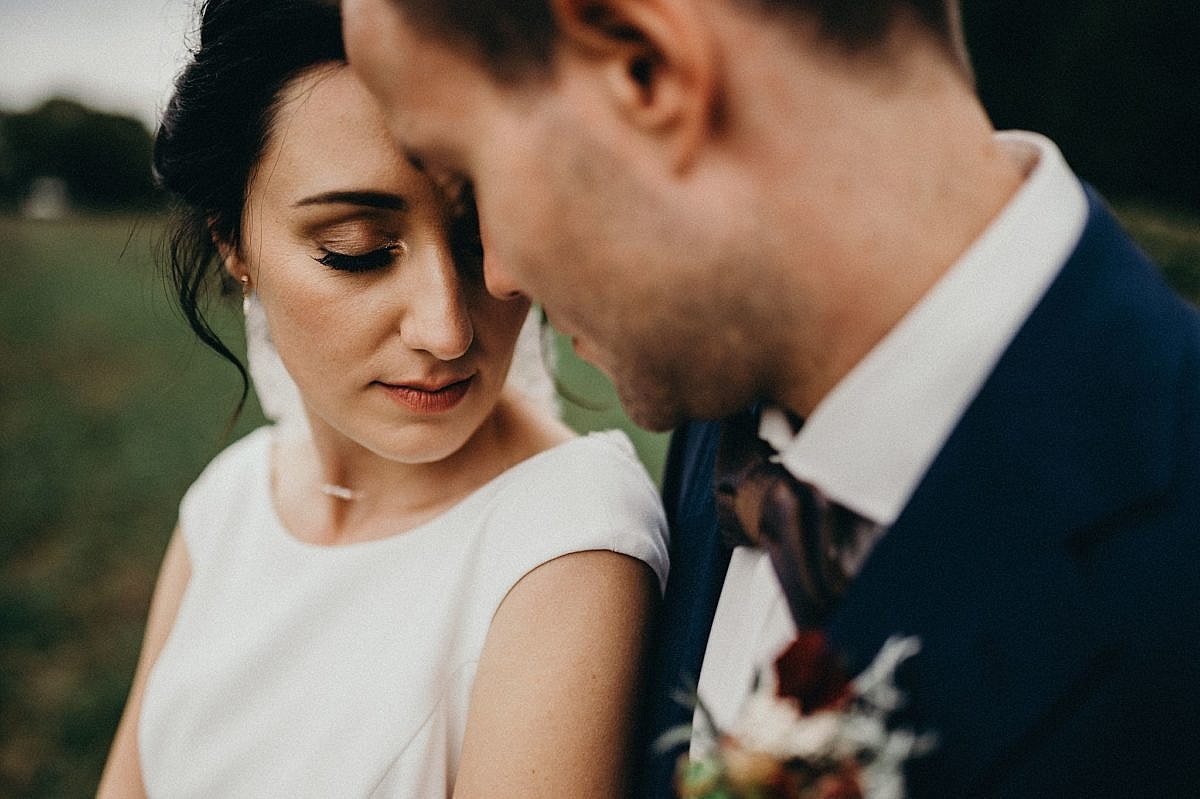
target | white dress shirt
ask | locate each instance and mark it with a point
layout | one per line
(871, 439)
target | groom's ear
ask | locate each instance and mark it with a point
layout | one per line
(655, 61)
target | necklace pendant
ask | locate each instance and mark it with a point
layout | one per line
(339, 492)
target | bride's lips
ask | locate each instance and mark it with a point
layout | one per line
(428, 398)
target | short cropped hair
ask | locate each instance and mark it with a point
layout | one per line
(516, 38)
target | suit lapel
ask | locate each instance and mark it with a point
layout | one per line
(987, 564)
(698, 564)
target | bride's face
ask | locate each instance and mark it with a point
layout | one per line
(379, 314)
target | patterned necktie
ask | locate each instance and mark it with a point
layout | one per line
(806, 536)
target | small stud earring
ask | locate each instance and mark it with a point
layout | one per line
(245, 280)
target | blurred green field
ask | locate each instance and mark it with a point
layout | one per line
(108, 410)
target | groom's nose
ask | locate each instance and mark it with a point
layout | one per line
(498, 279)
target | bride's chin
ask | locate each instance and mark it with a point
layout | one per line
(428, 446)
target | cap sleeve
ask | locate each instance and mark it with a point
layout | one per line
(591, 493)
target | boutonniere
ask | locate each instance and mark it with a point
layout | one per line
(809, 732)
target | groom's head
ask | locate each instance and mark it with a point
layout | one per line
(517, 38)
(641, 166)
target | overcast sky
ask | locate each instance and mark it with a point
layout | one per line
(116, 55)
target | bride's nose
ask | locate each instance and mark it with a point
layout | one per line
(436, 318)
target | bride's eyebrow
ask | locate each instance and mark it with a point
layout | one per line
(369, 199)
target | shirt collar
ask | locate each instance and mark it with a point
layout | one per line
(871, 439)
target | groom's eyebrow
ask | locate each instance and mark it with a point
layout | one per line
(369, 199)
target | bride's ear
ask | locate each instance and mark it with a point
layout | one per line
(656, 63)
(230, 259)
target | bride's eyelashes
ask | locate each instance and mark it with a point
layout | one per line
(361, 262)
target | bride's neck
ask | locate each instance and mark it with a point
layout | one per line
(389, 496)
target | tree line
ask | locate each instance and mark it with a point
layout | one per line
(1117, 85)
(102, 159)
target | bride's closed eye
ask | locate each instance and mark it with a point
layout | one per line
(361, 262)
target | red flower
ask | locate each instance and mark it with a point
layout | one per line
(810, 673)
(843, 784)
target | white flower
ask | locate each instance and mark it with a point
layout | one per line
(774, 726)
(876, 684)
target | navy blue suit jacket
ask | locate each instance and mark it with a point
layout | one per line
(1049, 560)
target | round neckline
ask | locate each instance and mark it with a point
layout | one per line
(265, 484)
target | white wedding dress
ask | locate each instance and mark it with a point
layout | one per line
(296, 670)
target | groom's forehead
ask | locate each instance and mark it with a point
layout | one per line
(512, 40)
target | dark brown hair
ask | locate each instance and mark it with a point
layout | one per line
(216, 125)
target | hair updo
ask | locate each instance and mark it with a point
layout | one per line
(216, 126)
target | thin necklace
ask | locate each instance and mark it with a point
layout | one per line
(340, 492)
